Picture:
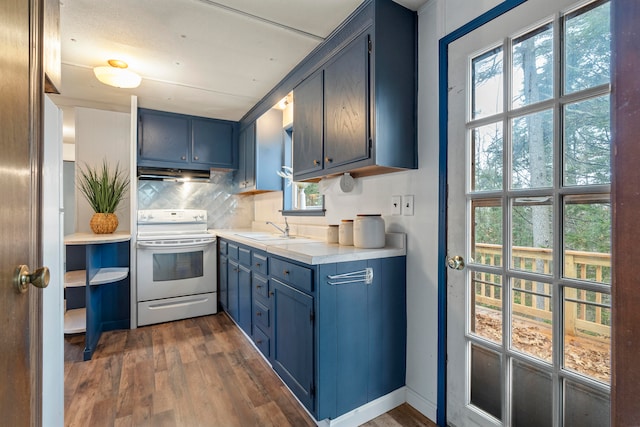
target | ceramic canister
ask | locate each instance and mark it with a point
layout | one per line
(368, 231)
(332, 233)
(345, 232)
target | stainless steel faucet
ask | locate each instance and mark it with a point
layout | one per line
(285, 232)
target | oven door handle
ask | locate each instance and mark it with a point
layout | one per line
(176, 245)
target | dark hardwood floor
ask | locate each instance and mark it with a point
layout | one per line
(194, 372)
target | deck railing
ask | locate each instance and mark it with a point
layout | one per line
(586, 313)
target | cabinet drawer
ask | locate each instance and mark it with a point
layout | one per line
(296, 275)
(244, 256)
(223, 247)
(261, 316)
(259, 262)
(261, 286)
(232, 250)
(262, 341)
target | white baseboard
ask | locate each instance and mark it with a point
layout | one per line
(368, 411)
(422, 405)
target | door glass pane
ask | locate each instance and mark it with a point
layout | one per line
(532, 73)
(532, 396)
(531, 319)
(532, 234)
(585, 407)
(587, 50)
(486, 319)
(587, 333)
(177, 266)
(486, 380)
(532, 150)
(487, 157)
(587, 238)
(486, 82)
(587, 142)
(487, 225)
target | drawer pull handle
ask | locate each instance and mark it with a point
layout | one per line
(328, 159)
(316, 162)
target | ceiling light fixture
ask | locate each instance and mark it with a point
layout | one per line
(117, 75)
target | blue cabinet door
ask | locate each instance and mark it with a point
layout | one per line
(244, 299)
(346, 103)
(212, 143)
(292, 357)
(308, 122)
(232, 289)
(224, 282)
(163, 137)
(245, 176)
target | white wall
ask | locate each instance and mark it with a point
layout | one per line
(373, 195)
(99, 135)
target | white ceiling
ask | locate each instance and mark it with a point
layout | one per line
(202, 57)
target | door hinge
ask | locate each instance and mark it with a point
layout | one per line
(312, 316)
(370, 46)
(312, 390)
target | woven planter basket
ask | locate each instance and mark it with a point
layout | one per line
(103, 223)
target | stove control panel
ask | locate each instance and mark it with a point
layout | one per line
(171, 216)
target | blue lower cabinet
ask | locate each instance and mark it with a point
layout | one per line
(223, 282)
(244, 299)
(361, 335)
(337, 344)
(293, 336)
(232, 289)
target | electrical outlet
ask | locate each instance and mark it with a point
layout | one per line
(396, 205)
(407, 205)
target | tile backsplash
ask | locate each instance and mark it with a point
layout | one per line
(224, 209)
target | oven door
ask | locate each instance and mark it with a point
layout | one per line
(176, 267)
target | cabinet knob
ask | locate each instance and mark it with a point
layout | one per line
(328, 159)
(258, 313)
(258, 264)
(271, 293)
(286, 272)
(316, 162)
(258, 341)
(183, 158)
(258, 286)
(196, 158)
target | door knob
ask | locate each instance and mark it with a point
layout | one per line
(456, 262)
(22, 278)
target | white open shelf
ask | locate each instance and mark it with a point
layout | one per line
(109, 275)
(75, 321)
(75, 278)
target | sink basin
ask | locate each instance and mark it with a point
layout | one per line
(263, 236)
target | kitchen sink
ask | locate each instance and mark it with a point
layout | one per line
(265, 237)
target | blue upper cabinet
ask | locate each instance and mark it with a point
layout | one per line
(169, 140)
(355, 111)
(261, 154)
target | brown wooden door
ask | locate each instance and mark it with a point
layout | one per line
(20, 143)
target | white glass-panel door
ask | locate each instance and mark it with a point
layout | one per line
(529, 211)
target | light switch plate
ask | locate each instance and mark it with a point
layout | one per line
(396, 205)
(407, 205)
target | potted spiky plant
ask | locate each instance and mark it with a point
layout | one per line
(104, 190)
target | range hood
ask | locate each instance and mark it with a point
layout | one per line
(181, 175)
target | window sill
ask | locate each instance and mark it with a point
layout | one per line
(303, 212)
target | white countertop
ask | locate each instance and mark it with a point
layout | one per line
(92, 238)
(312, 251)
